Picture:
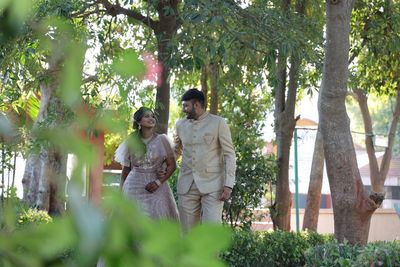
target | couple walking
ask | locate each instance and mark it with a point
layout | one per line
(207, 172)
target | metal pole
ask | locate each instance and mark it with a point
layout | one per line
(296, 181)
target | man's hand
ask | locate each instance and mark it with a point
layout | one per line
(226, 193)
(162, 175)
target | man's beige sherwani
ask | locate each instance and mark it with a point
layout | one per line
(208, 156)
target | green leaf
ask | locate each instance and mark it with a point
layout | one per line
(128, 65)
(69, 90)
(33, 106)
(207, 240)
(21, 9)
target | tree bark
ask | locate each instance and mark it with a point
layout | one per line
(204, 83)
(165, 29)
(214, 72)
(45, 172)
(281, 214)
(352, 207)
(311, 213)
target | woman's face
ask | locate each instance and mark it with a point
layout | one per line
(148, 120)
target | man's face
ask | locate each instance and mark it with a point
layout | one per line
(188, 107)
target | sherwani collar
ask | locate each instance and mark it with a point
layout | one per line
(205, 114)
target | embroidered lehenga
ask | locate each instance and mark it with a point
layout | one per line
(161, 203)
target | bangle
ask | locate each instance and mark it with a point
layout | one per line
(158, 182)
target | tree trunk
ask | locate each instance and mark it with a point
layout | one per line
(311, 213)
(281, 214)
(352, 207)
(285, 123)
(214, 71)
(165, 29)
(45, 173)
(163, 90)
(204, 83)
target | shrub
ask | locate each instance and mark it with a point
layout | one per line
(245, 251)
(276, 248)
(341, 255)
(380, 254)
(332, 254)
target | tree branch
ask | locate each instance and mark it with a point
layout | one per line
(89, 79)
(115, 10)
(391, 138)
(369, 144)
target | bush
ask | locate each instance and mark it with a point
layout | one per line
(380, 254)
(331, 254)
(341, 255)
(276, 248)
(245, 251)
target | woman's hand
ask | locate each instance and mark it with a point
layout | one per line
(152, 187)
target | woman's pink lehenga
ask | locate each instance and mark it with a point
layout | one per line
(161, 203)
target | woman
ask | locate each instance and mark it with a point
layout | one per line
(148, 161)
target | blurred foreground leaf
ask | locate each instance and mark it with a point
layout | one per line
(118, 233)
(128, 65)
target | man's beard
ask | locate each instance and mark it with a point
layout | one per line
(190, 115)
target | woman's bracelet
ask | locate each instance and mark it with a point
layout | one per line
(158, 182)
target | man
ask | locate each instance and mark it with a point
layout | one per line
(207, 172)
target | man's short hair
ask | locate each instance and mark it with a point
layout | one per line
(194, 94)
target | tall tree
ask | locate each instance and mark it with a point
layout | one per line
(311, 213)
(373, 34)
(285, 120)
(352, 206)
(377, 73)
(164, 29)
(44, 177)
(36, 61)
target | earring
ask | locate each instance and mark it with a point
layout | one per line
(140, 127)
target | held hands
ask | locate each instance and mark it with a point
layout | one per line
(226, 193)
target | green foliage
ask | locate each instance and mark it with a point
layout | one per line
(332, 254)
(278, 248)
(245, 109)
(33, 216)
(375, 42)
(380, 254)
(128, 64)
(343, 255)
(111, 143)
(246, 249)
(118, 234)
